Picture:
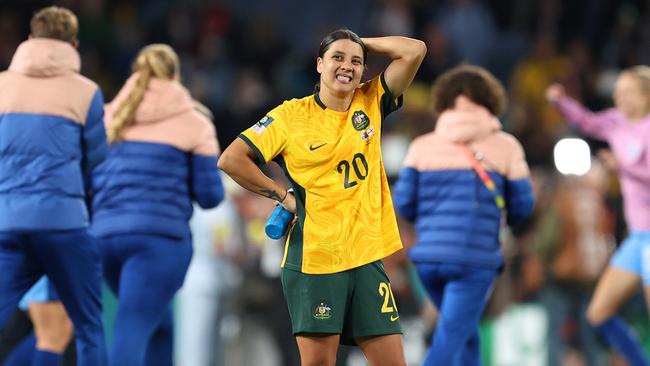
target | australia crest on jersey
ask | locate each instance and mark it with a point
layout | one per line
(322, 311)
(262, 124)
(360, 120)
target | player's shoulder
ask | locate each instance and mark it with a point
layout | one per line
(426, 142)
(507, 140)
(425, 138)
(292, 108)
(299, 105)
(83, 83)
(199, 120)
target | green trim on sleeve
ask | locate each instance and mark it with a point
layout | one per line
(388, 104)
(294, 255)
(258, 153)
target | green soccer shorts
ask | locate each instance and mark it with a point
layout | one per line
(355, 303)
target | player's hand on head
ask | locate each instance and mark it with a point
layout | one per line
(554, 92)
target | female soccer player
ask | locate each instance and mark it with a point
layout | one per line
(627, 130)
(328, 144)
(454, 186)
(163, 155)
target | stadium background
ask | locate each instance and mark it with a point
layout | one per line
(242, 57)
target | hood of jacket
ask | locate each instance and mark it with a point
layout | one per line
(466, 122)
(45, 57)
(163, 99)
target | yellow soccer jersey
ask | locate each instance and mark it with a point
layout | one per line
(333, 160)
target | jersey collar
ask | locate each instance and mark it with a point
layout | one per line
(318, 101)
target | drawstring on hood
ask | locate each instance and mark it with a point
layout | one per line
(45, 57)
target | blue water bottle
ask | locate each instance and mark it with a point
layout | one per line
(278, 223)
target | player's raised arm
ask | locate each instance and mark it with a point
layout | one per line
(407, 55)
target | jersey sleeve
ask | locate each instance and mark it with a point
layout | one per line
(388, 102)
(599, 125)
(268, 137)
(205, 183)
(95, 147)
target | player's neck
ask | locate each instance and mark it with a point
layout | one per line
(335, 101)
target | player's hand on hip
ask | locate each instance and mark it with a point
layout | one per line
(289, 202)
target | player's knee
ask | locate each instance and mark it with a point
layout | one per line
(387, 361)
(55, 336)
(391, 362)
(316, 359)
(598, 314)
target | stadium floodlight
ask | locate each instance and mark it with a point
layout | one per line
(572, 156)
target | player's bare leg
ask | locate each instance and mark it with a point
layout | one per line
(385, 350)
(52, 327)
(613, 289)
(318, 350)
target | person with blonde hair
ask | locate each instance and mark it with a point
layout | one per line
(627, 130)
(51, 142)
(162, 157)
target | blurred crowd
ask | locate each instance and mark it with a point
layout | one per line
(241, 57)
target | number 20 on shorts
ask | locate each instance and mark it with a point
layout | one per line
(389, 305)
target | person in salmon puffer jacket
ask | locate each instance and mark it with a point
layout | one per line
(456, 185)
(162, 157)
(51, 138)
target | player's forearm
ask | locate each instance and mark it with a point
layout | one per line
(396, 47)
(572, 110)
(243, 170)
(594, 124)
(407, 55)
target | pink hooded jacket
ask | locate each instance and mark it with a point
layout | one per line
(51, 137)
(166, 115)
(455, 215)
(166, 159)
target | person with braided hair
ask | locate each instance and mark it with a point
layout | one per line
(162, 156)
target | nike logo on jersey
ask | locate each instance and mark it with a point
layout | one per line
(394, 317)
(312, 147)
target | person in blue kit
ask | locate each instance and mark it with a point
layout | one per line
(50, 141)
(162, 156)
(456, 182)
